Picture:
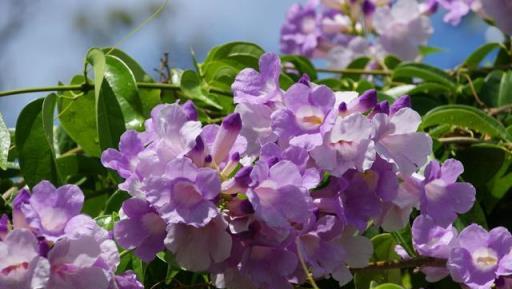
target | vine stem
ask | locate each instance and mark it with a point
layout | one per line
(401, 264)
(84, 87)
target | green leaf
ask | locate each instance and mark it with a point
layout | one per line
(241, 51)
(358, 63)
(191, 87)
(77, 116)
(115, 201)
(5, 143)
(148, 97)
(36, 154)
(123, 84)
(490, 89)
(466, 116)
(427, 50)
(109, 116)
(505, 94)
(383, 250)
(430, 88)
(302, 64)
(477, 56)
(425, 72)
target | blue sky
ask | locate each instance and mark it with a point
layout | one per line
(48, 48)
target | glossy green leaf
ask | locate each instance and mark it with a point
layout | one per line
(77, 115)
(36, 154)
(115, 201)
(149, 98)
(123, 84)
(505, 94)
(5, 143)
(466, 116)
(241, 51)
(358, 63)
(302, 64)
(490, 88)
(474, 60)
(109, 116)
(383, 250)
(425, 72)
(191, 86)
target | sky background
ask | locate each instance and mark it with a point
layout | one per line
(54, 35)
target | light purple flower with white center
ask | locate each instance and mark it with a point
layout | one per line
(432, 240)
(78, 264)
(50, 209)
(499, 11)
(253, 87)
(442, 197)
(185, 193)
(21, 267)
(301, 33)
(279, 197)
(127, 280)
(256, 126)
(479, 257)
(397, 140)
(269, 267)
(346, 146)
(402, 28)
(302, 121)
(196, 249)
(340, 56)
(457, 9)
(140, 229)
(348, 102)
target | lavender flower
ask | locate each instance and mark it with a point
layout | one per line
(184, 193)
(499, 11)
(301, 32)
(479, 257)
(442, 197)
(50, 209)
(21, 267)
(140, 228)
(127, 280)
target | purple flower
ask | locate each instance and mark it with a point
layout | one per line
(301, 32)
(402, 28)
(226, 137)
(18, 217)
(140, 228)
(253, 87)
(269, 267)
(196, 249)
(50, 209)
(21, 267)
(256, 126)
(78, 264)
(432, 240)
(127, 280)
(397, 141)
(442, 197)
(4, 226)
(301, 122)
(456, 9)
(479, 257)
(346, 146)
(278, 197)
(500, 11)
(185, 193)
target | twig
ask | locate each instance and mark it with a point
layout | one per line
(460, 140)
(304, 267)
(473, 91)
(498, 110)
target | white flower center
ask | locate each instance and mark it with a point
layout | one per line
(308, 25)
(309, 117)
(484, 258)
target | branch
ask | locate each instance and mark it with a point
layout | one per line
(460, 140)
(498, 110)
(401, 264)
(84, 87)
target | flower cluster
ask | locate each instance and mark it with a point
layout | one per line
(290, 176)
(343, 30)
(49, 244)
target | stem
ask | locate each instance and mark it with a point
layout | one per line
(460, 140)
(401, 264)
(354, 71)
(84, 87)
(498, 110)
(304, 267)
